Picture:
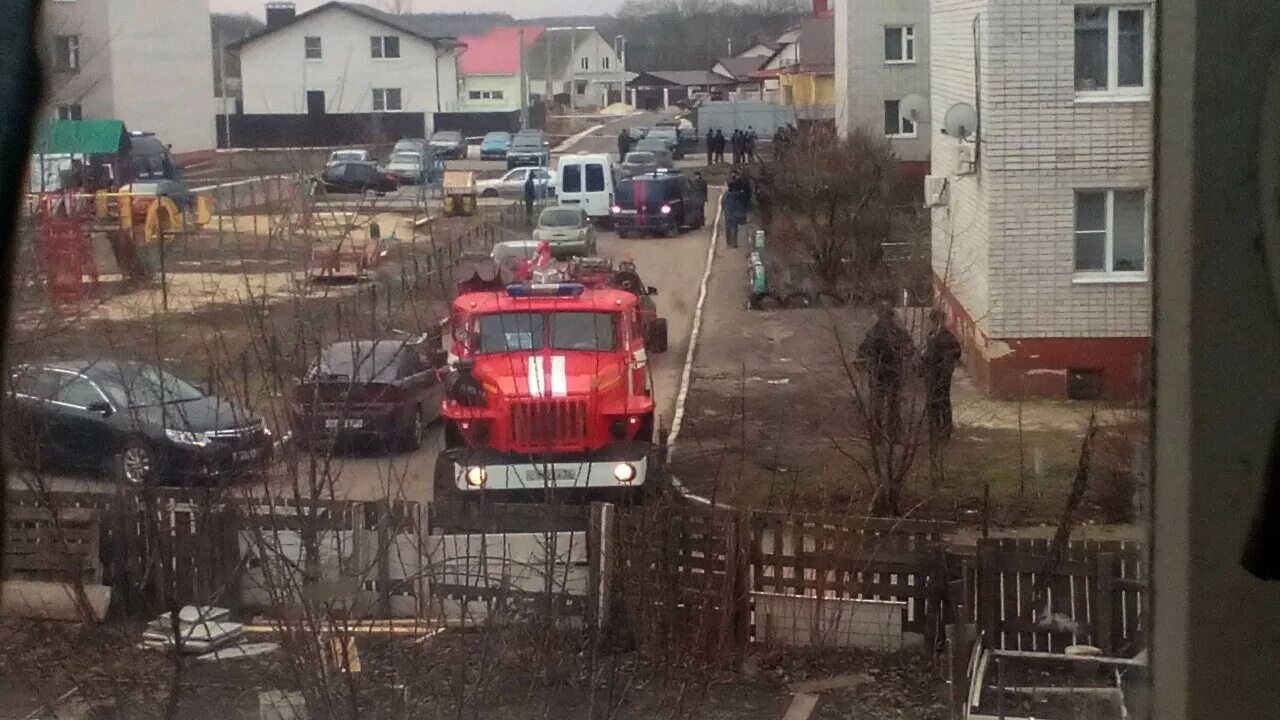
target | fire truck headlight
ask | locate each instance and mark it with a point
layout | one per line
(624, 472)
(477, 476)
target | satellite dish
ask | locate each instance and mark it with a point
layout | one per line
(961, 121)
(914, 108)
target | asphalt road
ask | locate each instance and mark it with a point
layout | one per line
(673, 265)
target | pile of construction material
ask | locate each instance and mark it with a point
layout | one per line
(200, 629)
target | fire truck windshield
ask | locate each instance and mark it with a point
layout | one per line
(514, 332)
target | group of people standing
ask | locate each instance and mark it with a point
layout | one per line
(887, 351)
(743, 143)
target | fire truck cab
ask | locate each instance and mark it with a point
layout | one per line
(549, 395)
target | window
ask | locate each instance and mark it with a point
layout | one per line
(473, 95)
(582, 331)
(384, 46)
(595, 178)
(1111, 231)
(586, 63)
(894, 124)
(66, 53)
(604, 62)
(900, 44)
(1111, 50)
(386, 99)
(80, 393)
(572, 178)
(485, 94)
(496, 95)
(311, 48)
(69, 112)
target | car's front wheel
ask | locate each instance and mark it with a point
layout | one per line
(489, 193)
(137, 463)
(415, 430)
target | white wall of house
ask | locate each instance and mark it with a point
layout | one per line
(492, 93)
(596, 64)
(866, 78)
(1006, 241)
(140, 61)
(276, 74)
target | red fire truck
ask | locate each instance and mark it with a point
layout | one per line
(549, 397)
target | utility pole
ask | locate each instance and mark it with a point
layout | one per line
(524, 86)
(573, 68)
(222, 89)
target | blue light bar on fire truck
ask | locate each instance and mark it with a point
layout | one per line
(545, 290)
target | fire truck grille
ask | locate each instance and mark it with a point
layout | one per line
(549, 423)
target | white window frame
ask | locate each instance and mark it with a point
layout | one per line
(64, 112)
(1114, 93)
(907, 44)
(604, 62)
(903, 122)
(73, 54)
(381, 96)
(319, 48)
(1107, 275)
(382, 47)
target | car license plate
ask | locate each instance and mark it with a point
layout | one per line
(626, 212)
(334, 423)
(538, 477)
(241, 455)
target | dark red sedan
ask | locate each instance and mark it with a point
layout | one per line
(389, 390)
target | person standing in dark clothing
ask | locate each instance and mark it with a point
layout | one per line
(734, 203)
(885, 351)
(711, 146)
(530, 192)
(624, 144)
(720, 143)
(749, 144)
(941, 353)
(736, 142)
(699, 184)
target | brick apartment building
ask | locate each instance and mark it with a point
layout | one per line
(1041, 232)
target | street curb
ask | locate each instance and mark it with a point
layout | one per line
(572, 139)
(687, 374)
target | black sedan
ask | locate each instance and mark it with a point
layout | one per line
(384, 389)
(354, 177)
(136, 421)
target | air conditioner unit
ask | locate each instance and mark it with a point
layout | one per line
(935, 190)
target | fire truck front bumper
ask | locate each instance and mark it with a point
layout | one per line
(618, 471)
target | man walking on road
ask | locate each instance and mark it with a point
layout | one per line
(885, 350)
(530, 191)
(734, 203)
(699, 184)
(720, 143)
(749, 144)
(941, 353)
(624, 144)
(711, 147)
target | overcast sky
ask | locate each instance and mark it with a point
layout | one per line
(518, 8)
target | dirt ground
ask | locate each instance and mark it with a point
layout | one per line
(769, 422)
(516, 673)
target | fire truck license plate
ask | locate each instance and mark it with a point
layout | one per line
(333, 423)
(537, 477)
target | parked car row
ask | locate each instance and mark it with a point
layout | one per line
(142, 425)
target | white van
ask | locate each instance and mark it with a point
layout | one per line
(586, 181)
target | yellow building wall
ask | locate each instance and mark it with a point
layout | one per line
(807, 89)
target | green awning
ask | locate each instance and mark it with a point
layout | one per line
(79, 137)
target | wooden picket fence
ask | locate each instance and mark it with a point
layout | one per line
(158, 548)
(684, 575)
(1095, 595)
